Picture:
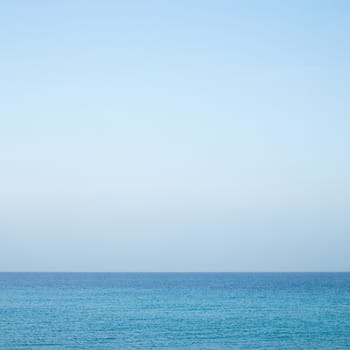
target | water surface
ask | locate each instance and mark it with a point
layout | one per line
(174, 311)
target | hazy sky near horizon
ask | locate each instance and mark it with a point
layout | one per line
(175, 136)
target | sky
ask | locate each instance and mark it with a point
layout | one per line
(174, 135)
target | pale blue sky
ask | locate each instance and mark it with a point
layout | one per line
(175, 135)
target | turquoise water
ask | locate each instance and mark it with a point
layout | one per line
(174, 311)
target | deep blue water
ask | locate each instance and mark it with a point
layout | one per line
(175, 311)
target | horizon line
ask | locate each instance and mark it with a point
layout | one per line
(175, 272)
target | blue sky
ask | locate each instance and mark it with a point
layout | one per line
(175, 136)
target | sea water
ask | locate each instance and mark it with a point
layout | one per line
(175, 311)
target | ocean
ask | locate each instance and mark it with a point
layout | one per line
(175, 311)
